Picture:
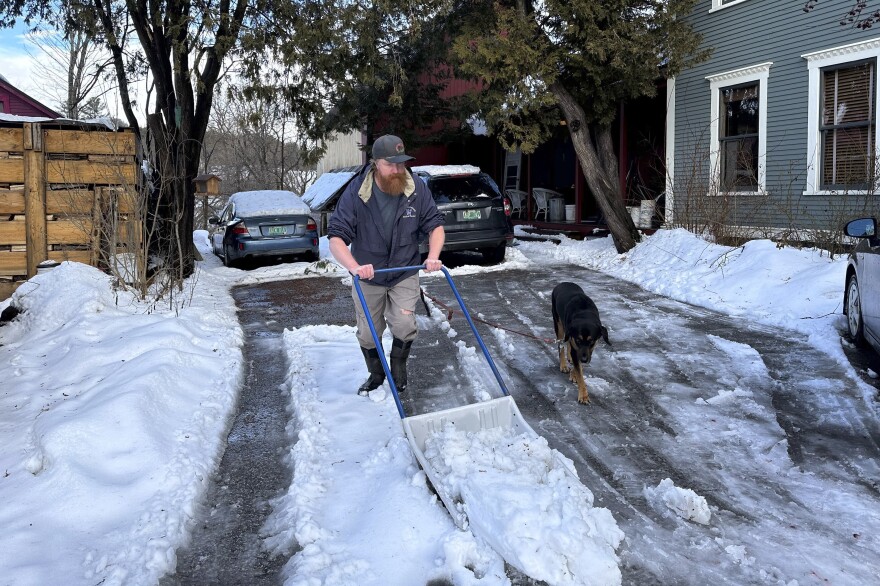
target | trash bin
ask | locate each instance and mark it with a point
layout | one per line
(557, 209)
(569, 213)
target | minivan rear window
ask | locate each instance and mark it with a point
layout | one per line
(462, 188)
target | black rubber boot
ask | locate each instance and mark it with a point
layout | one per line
(399, 354)
(377, 373)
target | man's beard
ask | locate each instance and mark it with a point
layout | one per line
(393, 184)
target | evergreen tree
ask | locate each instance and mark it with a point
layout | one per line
(580, 58)
(371, 66)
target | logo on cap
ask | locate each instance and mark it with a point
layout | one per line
(399, 147)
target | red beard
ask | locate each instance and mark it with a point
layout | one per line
(393, 184)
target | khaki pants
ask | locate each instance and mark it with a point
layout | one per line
(395, 306)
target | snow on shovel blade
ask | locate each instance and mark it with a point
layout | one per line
(500, 412)
(501, 480)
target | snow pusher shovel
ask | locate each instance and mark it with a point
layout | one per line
(501, 412)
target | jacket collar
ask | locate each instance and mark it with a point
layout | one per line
(366, 190)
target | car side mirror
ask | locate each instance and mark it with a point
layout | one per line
(213, 220)
(861, 228)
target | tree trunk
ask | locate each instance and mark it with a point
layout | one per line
(175, 199)
(595, 152)
(183, 100)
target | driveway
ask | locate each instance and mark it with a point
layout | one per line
(777, 437)
(780, 440)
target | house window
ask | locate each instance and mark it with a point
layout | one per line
(719, 4)
(2, 106)
(738, 132)
(738, 137)
(847, 128)
(841, 129)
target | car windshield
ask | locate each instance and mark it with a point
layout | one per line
(462, 188)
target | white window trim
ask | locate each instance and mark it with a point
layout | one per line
(670, 151)
(759, 73)
(717, 5)
(815, 62)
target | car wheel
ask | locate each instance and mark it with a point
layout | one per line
(495, 255)
(854, 322)
(227, 261)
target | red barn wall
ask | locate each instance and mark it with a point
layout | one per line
(15, 101)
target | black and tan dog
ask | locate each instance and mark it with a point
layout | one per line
(578, 329)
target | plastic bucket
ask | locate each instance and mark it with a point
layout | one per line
(569, 213)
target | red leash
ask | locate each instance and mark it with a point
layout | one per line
(450, 312)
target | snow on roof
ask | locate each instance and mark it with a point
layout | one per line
(446, 169)
(103, 121)
(268, 202)
(326, 186)
(16, 118)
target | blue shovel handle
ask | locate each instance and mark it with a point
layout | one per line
(378, 342)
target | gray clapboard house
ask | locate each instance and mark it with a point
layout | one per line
(776, 134)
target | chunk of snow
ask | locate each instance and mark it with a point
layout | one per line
(686, 503)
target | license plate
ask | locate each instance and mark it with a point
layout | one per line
(277, 230)
(470, 215)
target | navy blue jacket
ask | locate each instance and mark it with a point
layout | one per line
(357, 222)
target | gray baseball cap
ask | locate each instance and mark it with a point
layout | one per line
(390, 148)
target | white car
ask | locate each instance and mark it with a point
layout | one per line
(861, 297)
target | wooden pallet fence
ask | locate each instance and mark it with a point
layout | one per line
(66, 193)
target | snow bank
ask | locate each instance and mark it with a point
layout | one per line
(106, 446)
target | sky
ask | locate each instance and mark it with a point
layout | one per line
(113, 414)
(17, 66)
